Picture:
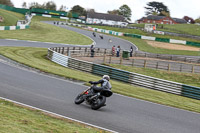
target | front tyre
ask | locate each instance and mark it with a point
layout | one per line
(98, 103)
(79, 99)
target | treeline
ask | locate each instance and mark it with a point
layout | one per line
(6, 2)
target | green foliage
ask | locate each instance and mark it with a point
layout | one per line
(156, 7)
(114, 12)
(79, 10)
(125, 11)
(50, 5)
(6, 2)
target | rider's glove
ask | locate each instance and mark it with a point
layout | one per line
(90, 82)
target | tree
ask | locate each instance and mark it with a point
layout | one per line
(157, 8)
(125, 11)
(62, 8)
(197, 20)
(90, 10)
(69, 15)
(6, 2)
(24, 5)
(115, 12)
(79, 10)
(189, 19)
(50, 5)
(35, 5)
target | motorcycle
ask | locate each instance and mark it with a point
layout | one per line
(95, 99)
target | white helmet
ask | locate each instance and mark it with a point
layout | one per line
(106, 77)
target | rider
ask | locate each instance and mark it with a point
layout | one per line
(105, 84)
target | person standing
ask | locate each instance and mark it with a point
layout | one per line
(113, 50)
(92, 50)
(131, 52)
(118, 51)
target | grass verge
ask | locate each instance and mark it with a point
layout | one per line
(10, 18)
(36, 57)
(42, 32)
(17, 119)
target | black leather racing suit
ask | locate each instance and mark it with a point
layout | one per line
(105, 84)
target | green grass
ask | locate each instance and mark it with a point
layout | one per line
(139, 32)
(10, 18)
(42, 32)
(36, 57)
(17, 119)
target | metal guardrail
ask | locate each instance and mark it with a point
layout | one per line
(125, 76)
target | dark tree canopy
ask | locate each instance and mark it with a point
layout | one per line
(189, 19)
(79, 10)
(24, 5)
(115, 12)
(46, 5)
(35, 5)
(125, 11)
(6, 2)
(90, 10)
(157, 8)
(62, 8)
(197, 20)
(50, 5)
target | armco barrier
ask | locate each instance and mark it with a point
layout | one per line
(125, 76)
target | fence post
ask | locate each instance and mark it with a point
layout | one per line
(157, 65)
(121, 59)
(110, 60)
(59, 50)
(68, 50)
(192, 68)
(132, 62)
(145, 63)
(169, 66)
(63, 48)
(104, 59)
(181, 68)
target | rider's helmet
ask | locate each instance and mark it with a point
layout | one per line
(106, 77)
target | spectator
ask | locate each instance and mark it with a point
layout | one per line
(92, 50)
(118, 51)
(131, 52)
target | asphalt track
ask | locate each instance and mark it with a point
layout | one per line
(122, 114)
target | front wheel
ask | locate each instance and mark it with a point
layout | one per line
(79, 99)
(99, 103)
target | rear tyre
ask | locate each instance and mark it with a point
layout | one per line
(79, 99)
(99, 103)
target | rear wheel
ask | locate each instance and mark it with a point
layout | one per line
(79, 99)
(99, 103)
